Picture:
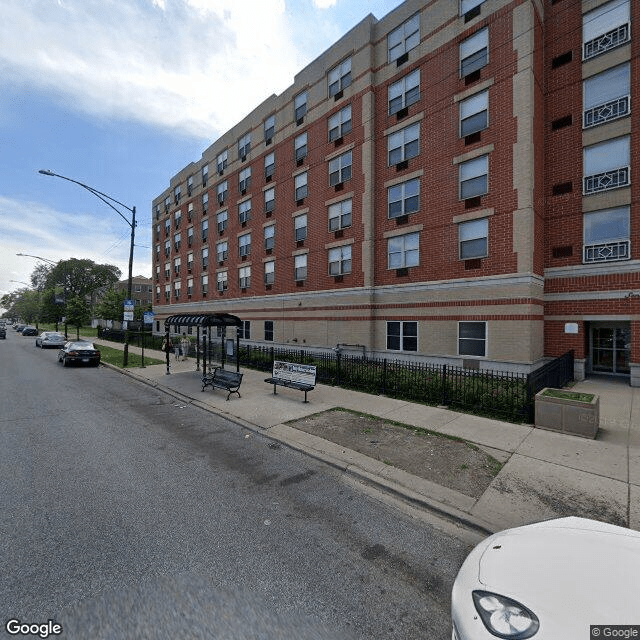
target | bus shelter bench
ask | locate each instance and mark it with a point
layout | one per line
(223, 379)
(295, 376)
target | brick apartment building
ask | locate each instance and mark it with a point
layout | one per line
(451, 182)
(141, 290)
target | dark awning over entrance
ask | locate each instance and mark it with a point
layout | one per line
(203, 320)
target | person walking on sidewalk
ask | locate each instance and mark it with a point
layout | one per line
(167, 345)
(184, 346)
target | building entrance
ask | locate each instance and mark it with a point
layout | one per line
(610, 347)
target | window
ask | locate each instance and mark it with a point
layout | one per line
(269, 199)
(606, 165)
(300, 267)
(269, 129)
(244, 275)
(167, 270)
(300, 106)
(205, 203)
(190, 287)
(301, 186)
(269, 165)
(189, 185)
(606, 235)
(244, 244)
(403, 251)
(244, 211)
(605, 28)
(269, 272)
(222, 191)
(222, 251)
(244, 331)
(167, 227)
(190, 212)
(205, 175)
(157, 294)
(190, 262)
(167, 203)
(176, 266)
(222, 280)
(205, 258)
(176, 241)
(474, 113)
(268, 330)
(474, 177)
(204, 281)
(300, 147)
(339, 77)
(340, 215)
(205, 230)
(167, 248)
(340, 123)
(473, 239)
(176, 289)
(244, 146)
(404, 92)
(472, 338)
(167, 292)
(340, 260)
(300, 227)
(190, 236)
(406, 37)
(176, 194)
(222, 218)
(244, 181)
(607, 96)
(404, 144)
(340, 168)
(468, 5)
(474, 52)
(270, 237)
(221, 161)
(404, 198)
(402, 336)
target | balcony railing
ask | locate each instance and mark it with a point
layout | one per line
(611, 110)
(607, 251)
(606, 180)
(606, 41)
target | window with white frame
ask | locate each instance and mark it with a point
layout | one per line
(340, 123)
(404, 92)
(474, 52)
(190, 212)
(177, 285)
(473, 239)
(157, 252)
(404, 144)
(340, 168)
(607, 96)
(472, 338)
(177, 263)
(300, 227)
(167, 292)
(300, 146)
(167, 269)
(177, 238)
(244, 211)
(244, 146)
(157, 272)
(468, 5)
(270, 237)
(158, 294)
(222, 160)
(606, 165)
(205, 258)
(244, 276)
(167, 227)
(270, 272)
(222, 191)
(300, 267)
(269, 165)
(222, 220)
(340, 215)
(605, 28)
(301, 186)
(190, 236)
(404, 38)
(205, 230)
(402, 336)
(205, 174)
(403, 251)
(473, 177)
(300, 106)
(606, 235)
(340, 260)
(222, 280)
(269, 129)
(167, 203)
(474, 113)
(339, 78)
(403, 198)
(190, 287)
(244, 330)
(189, 185)
(205, 204)
(204, 283)
(190, 261)
(177, 218)
(244, 179)
(167, 248)
(269, 199)
(244, 244)
(222, 251)
(268, 330)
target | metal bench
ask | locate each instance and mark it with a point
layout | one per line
(223, 379)
(294, 376)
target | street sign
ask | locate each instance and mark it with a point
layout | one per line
(147, 317)
(129, 305)
(128, 315)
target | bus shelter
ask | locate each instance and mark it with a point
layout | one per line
(204, 323)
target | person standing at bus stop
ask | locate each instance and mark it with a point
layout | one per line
(184, 346)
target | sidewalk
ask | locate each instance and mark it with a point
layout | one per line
(545, 474)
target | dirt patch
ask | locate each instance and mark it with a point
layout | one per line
(449, 462)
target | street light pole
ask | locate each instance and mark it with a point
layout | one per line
(108, 200)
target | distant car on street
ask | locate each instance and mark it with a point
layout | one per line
(49, 339)
(548, 580)
(29, 331)
(19, 327)
(79, 352)
(3, 332)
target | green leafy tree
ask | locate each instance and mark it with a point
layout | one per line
(50, 310)
(78, 313)
(111, 306)
(82, 278)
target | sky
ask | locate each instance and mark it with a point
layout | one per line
(120, 96)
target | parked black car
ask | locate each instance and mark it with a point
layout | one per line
(80, 353)
(3, 333)
(29, 331)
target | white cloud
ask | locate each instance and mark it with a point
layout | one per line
(324, 4)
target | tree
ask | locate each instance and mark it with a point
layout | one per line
(82, 278)
(112, 305)
(78, 313)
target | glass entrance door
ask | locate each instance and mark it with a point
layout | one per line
(611, 347)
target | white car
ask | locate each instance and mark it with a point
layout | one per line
(50, 339)
(549, 581)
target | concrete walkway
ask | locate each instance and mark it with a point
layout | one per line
(545, 474)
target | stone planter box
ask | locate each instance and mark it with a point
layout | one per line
(567, 415)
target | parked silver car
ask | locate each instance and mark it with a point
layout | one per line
(49, 339)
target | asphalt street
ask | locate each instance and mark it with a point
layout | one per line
(127, 514)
